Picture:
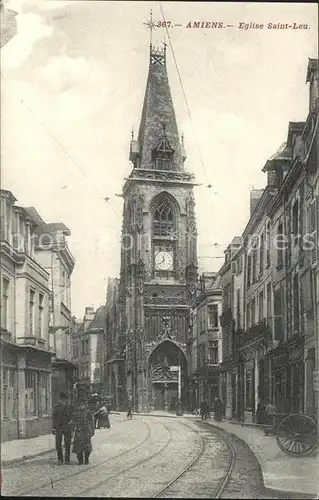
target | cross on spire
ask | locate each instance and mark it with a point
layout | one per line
(151, 26)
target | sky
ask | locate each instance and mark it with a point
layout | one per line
(72, 89)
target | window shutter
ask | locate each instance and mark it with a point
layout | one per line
(306, 292)
(311, 228)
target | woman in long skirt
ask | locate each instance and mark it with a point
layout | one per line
(83, 431)
(104, 420)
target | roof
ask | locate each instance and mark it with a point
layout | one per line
(45, 227)
(8, 194)
(158, 115)
(99, 319)
(283, 154)
(35, 216)
(58, 226)
(312, 68)
(294, 128)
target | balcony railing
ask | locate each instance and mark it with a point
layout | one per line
(262, 329)
(38, 342)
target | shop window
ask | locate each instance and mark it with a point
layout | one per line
(9, 402)
(44, 393)
(31, 393)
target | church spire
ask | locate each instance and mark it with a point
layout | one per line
(158, 125)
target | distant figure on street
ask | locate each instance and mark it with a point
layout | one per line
(270, 418)
(260, 413)
(62, 426)
(218, 409)
(270, 408)
(96, 416)
(129, 409)
(103, 417)
(203, 410)
(84, 430)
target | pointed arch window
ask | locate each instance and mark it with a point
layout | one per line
(163, 155)
(163, 218)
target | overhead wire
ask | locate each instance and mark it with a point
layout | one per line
(208, 185)
(66, 152)
(184, 94)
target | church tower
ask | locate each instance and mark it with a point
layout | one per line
(158, 252)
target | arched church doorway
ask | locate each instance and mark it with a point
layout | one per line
(165, 362)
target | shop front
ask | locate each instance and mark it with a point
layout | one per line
(26, 409)
(288, 377)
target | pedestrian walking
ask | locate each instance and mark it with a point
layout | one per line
(129, 409)
(260, 413)
(203, 410)
(62, 427)
(218, 409)
(83, 430)
(270, 417)
(103, 417)
(96, 416)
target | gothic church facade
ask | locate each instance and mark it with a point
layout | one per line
(158, 252)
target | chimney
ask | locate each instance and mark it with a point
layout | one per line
(255, 195)
(312, 78)
(88, 317)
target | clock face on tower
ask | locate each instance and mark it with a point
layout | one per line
(164, 260)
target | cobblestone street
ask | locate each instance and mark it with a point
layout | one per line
(141, 457)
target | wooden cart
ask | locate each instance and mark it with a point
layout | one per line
(296, 433)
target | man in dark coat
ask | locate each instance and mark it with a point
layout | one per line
(62, 426)
(83, 429)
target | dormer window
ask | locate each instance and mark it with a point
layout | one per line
(163, 155)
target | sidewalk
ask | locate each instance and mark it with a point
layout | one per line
(21, 449)
(282, 473)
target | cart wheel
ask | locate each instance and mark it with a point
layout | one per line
(297, 435)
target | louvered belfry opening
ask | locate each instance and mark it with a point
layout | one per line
(163, 219)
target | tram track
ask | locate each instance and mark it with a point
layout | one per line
(201, 459)
(51, 483)
(219, 466)
(133, 466)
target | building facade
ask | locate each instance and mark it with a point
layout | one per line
(89, 340)
(114, 372)
(277, 339)
(54, 255)
(158, 256)
(25, 348)
(205, 344)
(229, 371)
